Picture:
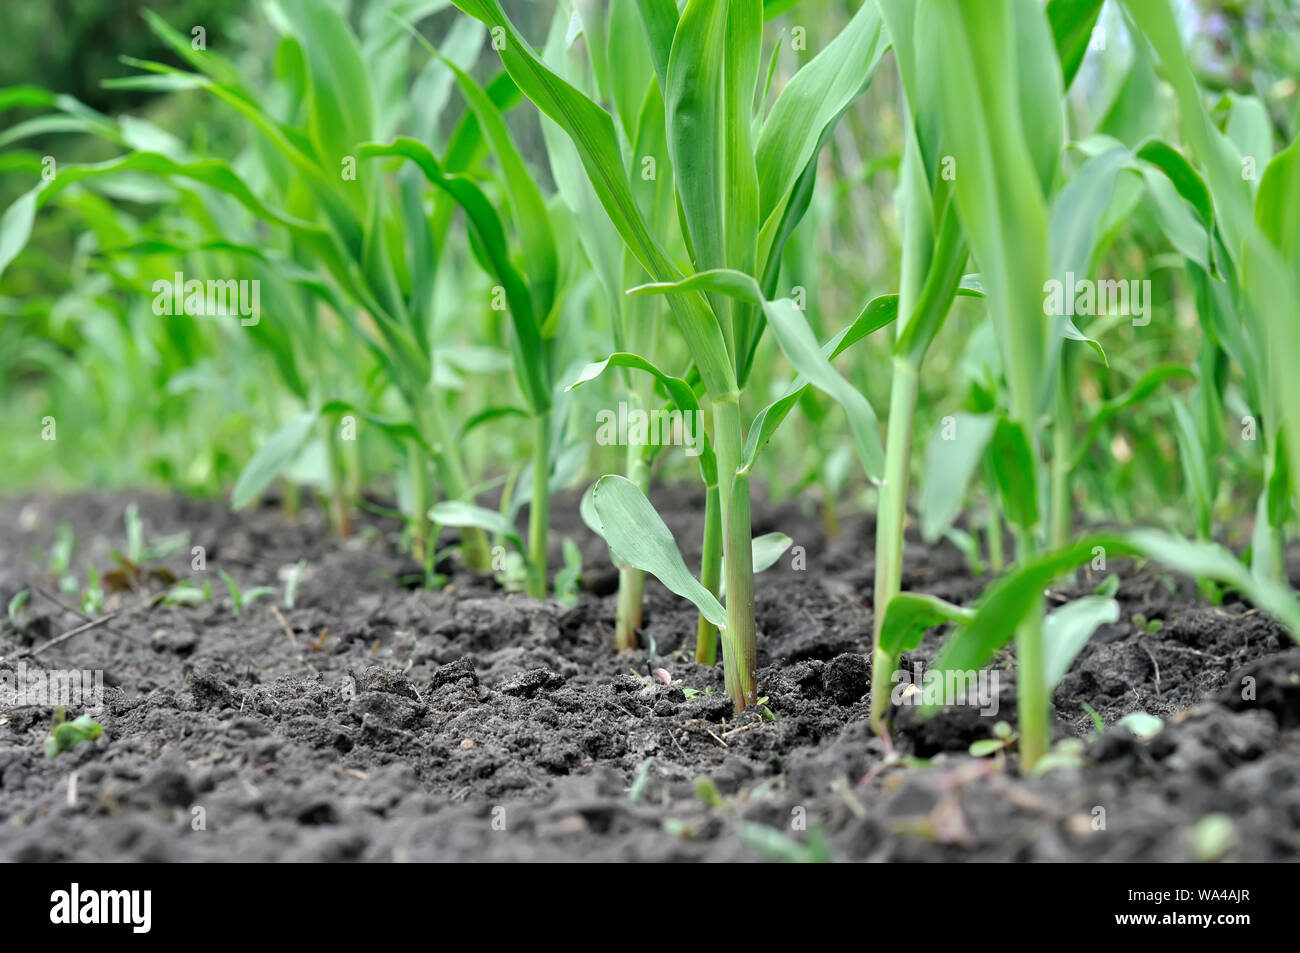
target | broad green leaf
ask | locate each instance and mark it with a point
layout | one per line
(630, 64)
(460, 514)
(342, 108)
(1009, 600)
(712, 76)
(275, 453)
(1180, 172)
(1136, 108)
(1015, 468)
(950, 462)
(1276, 204)
(999, 101)
(531, 364)
(659, 18)
(1072, 25)
(592, 131)
(910, 614)
(795, 336)
(767, 549)
(16, 227)
(638, 537)
(811, 101)
(1067, 629)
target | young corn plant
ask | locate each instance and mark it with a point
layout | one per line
(999, 71)
(738, 196)
(1255, 312)
(353, 246)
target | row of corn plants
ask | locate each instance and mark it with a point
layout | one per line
(633, 209)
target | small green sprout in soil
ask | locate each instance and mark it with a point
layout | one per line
(66, 735)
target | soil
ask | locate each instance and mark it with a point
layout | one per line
(376, 721)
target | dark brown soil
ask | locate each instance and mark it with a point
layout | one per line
(380, 722)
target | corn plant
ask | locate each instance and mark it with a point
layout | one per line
(1001, 198)
(738, 199)
(356, 248)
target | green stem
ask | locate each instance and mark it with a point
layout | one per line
(338, 500)
(474, 546)
(1031, 676)
(739, 643)
(891, 513)
(419, 502)
(993, 530)
(1061, 453)
(539, 507)
(706, 633)
(631, 581)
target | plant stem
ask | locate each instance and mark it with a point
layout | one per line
(539, 507)
(891, 512)
(474, 546)
(738, 652)
(338, 501)
(1031, 676)
(631, 581)
(1059, 527)
(993, 530)
(419, 502)
(706, 633)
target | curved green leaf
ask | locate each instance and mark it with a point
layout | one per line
(638, 537)
(275, 453)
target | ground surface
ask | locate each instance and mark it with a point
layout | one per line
(378, 722)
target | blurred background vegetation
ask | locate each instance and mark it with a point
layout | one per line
(161, 405)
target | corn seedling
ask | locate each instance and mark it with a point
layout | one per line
(66, 735)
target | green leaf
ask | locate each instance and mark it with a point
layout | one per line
(712, 76)
(985, 747)
(999, 102)
(1144, 726)
(949, 466)
(681, 393)
(812, 100)
(1010, 599)
(638, 537)
(767, 549)
(592, 132)
(532, 366)
(528, 207)
(275, 453)
(1015, 469)
(1143, 388)
(460, 514)
(659, 17)
(795, 336)
(1195, 465)
(910, 614)
(341, 102)
(1067, 629)
(1072, 25)
(16, 227)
